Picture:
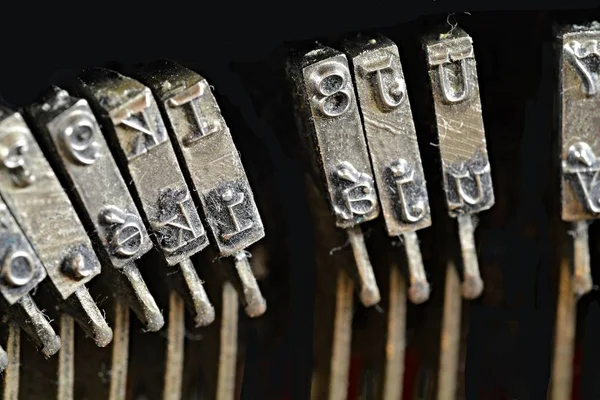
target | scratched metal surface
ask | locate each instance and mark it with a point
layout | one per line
(507, 335)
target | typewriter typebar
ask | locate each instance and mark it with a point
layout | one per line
(133, 123)
(21, 271)
(211, 161)
(42, 209)
(79, 152)
(328, 119)
(392, 144)
(465, 166)
(579, 120)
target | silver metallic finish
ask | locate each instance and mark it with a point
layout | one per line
(328, 118)
(133, 288)
(85, 311)
(135, 126)
(419, 287)
(45, 213)
(132, 121)
(392, 145)
(367, 286)
(20, 268)
(472, 285)
(254, 302)
(579, 101)
(33, 321)
(80, 153)
(195, 295)
(462, 144)
(209, 157)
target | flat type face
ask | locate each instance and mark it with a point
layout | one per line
(328, 111)
(580, 119)
(78, 148)
(20, 268)
(465, 165)
(209, 154)
(35, 197)
(137, 130)
(390, 132)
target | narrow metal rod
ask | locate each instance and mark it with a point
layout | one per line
(419, 287)
(396, 337)
(564, 336)
(120, 352)
(175, 348)
(367, 285)
(203, 310)
(342, 337)
(84, 310)
(66, 358)
(36, 325)
(450, 336)
(254, 302)
(472, 284)
(11, 374)
(228, 344)
(582, 275)
(140, 299)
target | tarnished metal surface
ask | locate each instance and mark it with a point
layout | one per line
(579, 144)
(80, 153)
(390, 132)
(36, 325)
(461, 141)
(35, 197)
(21, 272)
(392, 144)
(132, 121)
(328, 118)
(210, 157)
(21, 269)
(211, 161)
(43, 209)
